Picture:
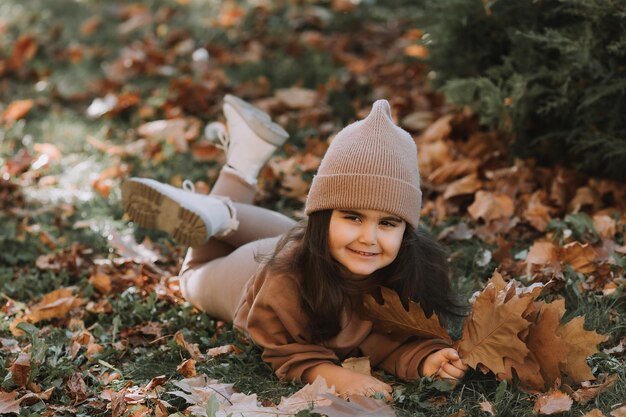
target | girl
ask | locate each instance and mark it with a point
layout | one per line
(301, 304)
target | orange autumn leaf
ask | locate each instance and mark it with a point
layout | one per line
(391, 317)
(528, 373)
(587, 393)
(465, 186)
(594, 413)
(187, 368)
(20, 369)
(491, 330)
(491, 206)
(453, 170)
(537, 213)
(549, 349)
(542, 252)
(581, 344)
(580, 256)
(17, 110)
(553, 402)
(55, 305)
(9, 403)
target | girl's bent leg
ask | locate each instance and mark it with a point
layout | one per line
(217, 286)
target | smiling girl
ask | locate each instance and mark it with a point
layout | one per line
(301, 303)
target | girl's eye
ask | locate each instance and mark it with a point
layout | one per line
(388, 223)
(352, 217)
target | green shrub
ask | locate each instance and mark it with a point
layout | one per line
(551, 72)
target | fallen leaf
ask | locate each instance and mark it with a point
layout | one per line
(359, 365)
(537, 213)
(487, 407)
(491, 206)
(552, 403)
(619, 412)
(587, 393)
(581, 343)
(549, 349)
(580, 256)
(392, 318)
(465, 186)
(605, 225)
(437, 131)
(187, 368)
(222, 350)
(455, 169)
(358, 405)
(307, 395)
(192, 348)
(8, 403)
(101, 282)
(20, 369)
(297, 98)
(89, 26)
(491, 330)
(55, 305)
(594, 413)
(18, 109)
(77, 388)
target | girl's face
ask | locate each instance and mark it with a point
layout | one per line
(364, 241)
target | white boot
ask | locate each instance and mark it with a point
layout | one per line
(188, 217)
(251, 139)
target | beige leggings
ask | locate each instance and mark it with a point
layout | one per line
(213, 276)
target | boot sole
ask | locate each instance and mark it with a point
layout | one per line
(151, 209)
(266, 129)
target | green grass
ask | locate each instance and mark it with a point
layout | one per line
(63, 90)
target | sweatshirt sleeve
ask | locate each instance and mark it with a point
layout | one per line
(398, 357)
(276, 323)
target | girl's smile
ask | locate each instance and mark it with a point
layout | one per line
(364, 241)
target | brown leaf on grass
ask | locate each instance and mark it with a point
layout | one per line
(187, 368)
(192, 348)
(528, 373)
(491, 330)
(118, 403)
(491, 206)
(55, 305)
(553, 402)
(90, 25)
(8, 403)
(101, 282)
(432, 155)
(580, 256)
(537, 213)
(297, 98)
(549, 349)
(178, 131)
(455, 169)
(594, 413)
(619, 412)
(357, 406)
(487, 407)
(460, 413)
(24, 50)
(437, 131)
(465, 186)
(605, 225)
(581, 343)
(392, 318)
(222, 350)
(359, 365)
(585, 197)
(20, 369)
(18, 109)
(587, 393)
(77, 388)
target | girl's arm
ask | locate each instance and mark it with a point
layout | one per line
(346, 381)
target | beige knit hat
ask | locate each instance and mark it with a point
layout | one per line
(371, 165)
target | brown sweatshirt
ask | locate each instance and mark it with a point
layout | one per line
(269, 312)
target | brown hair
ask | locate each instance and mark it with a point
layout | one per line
(419, 273)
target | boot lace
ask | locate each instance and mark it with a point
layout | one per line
(216, 133)
(188, 185)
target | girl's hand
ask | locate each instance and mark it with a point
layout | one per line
(348, 382)
(444, 363)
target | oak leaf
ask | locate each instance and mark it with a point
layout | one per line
(528, 373)
(553, 402)
(54, 305)
(581, 343)
(549, 349)
(492, 329)
(491, 206)
(392, 318)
